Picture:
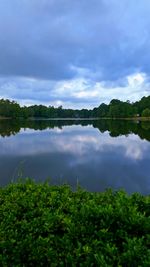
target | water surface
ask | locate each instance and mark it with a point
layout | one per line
(95, 154)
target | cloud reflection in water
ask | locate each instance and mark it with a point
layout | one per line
(95, 159)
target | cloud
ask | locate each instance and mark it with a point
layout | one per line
(78, 92)
(49, 44)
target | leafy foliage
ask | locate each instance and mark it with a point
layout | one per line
(146, 112)
(43, 225)
(9, 108)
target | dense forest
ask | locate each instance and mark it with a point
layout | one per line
(115, 109)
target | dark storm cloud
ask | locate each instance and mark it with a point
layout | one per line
(44, 39)
(53, 41)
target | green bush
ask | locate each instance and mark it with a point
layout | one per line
(42, 225)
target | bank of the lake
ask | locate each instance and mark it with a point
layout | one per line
(4, 118)
(76, 119)
(43, 225)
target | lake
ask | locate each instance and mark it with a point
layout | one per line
(96, 154)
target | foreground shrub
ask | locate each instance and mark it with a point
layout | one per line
(42, 225)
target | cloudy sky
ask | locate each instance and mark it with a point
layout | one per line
(75, 53)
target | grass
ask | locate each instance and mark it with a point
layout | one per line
(44, 225)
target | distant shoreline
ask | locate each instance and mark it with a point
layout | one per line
(77, 119)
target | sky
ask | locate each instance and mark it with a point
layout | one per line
(74, 53)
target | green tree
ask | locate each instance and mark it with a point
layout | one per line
(146, 112)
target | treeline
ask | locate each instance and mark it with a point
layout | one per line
(12, 109)
(120, 109)
(115, 109)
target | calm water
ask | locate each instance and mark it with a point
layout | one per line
(95, 154)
